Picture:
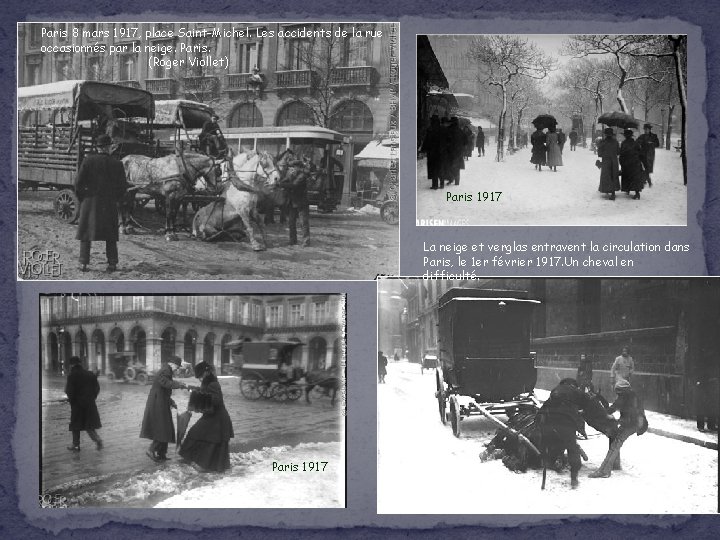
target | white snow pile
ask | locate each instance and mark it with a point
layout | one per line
(368, 210)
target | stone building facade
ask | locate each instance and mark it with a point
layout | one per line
(265, 74)
(672, 327)
(195, 328)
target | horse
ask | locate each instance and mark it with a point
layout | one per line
(552, 430)
(327, 379)
(170, 178)
(245, 179)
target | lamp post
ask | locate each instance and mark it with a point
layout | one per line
(252, 88)
(662, 126)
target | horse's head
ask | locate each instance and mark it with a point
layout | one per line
(594, 408)
(268, 169)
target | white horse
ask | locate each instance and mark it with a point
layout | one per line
(245, 179)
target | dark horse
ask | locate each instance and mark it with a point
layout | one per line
(327, 379)
(552, 430)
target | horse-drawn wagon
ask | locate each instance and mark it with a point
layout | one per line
(377, 179)
(59, 124)
(486, 367)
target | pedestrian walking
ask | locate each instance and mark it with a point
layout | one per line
(632, 420)
(157, 424)
(100, 185)
(552, 144)
(382, 367)
(539, 154)
(648, 142)
(632, 175)
(456, 142)
(480, 141)
(608, 150)
(706, 403)
(623, 367)
(82, 389)
(585, 373)
(296, 185)
(433, 146)
(207, 443)
(573, 136)
(561, 139)
(469, 141)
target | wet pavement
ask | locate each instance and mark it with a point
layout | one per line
(257, 424)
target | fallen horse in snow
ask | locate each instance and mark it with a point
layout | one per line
(552, 429)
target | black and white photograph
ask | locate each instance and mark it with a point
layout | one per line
(233, 401)
(552, 129)
(256, 150)
(548, 396)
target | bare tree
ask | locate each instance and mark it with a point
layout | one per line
(507, 58)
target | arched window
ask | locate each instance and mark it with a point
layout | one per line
(225, 352)
(352, 116)
(245, 115)
(316, 353)
(138, 339)
(190, 344)
(209, 348)
(97, 351)
(167, 347)
(295, 113)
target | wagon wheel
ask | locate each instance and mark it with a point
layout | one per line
(294, 392)
(455, 416)
(440, 398)
(390, 212)
(267, 390)
(160, 205)
(278, 393)
(141, 378)
(250, 389)
(130, 373)
(67, 206)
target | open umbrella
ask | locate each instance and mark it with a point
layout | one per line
(183, 419)
(618, 119)
(544, 121)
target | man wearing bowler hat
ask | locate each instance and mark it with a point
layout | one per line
(100, 186)
(648, 142)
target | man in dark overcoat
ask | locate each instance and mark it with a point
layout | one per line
(456, 144)
(648, 142)
(296, 185)
(100, 185)
(82, 389)
(480, 141)
(433, 146)
(573, 139)
(157, 423)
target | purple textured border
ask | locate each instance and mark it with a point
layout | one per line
(703, 13)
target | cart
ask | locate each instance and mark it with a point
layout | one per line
(486, 367)
(59, 125)
(124, 366)
(259, 363)
(429, 361)
(377, 179)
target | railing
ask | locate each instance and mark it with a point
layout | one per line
(161, 86)
(237, 81)
(353, 76)
(129, 83)
(201, 84)
(302, 78)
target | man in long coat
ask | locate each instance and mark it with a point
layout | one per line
(480, 141)
(82, 389)
(608, 150)
(296, 185)
(157, 423)
(633, 175)
(434, 148)
(100, 185)
(456, 143)
(648, 142)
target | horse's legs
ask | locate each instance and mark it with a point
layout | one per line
(308, 389)
(259, 220)
(171, 211)
(574, 459)
(247, 219)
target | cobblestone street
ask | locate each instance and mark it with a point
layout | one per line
(257, 425)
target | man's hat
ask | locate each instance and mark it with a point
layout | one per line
(175, 360)
(75, 361)
(647, 126)
(609, 131)
(201, 368)
(628, 132)
(103, 140)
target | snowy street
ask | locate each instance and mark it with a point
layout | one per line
(567, 197)
(424, 469)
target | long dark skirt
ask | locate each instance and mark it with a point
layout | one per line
(213, 457)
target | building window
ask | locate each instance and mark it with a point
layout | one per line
(355, 51)
(127, 64)
(352, 115)
(93, 68)
(63, 35)
(62, 69)
(274, 316)
(159, 71)
(297, 54)
(296, 113)
(295, 315)
(169, 304)
(138, 303)
(214, 306)
(320, 311)
(249, 56)
(256, 314)
(192, 306)
(245, 115)
(229, 312)
(35, 35)
(116, 304)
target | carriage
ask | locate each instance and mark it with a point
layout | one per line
(329, 150)
(486, 367)
(59, 125)
(258, 363)
(376, 183)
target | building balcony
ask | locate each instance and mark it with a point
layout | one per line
(353, 76)
(162, 88)
(129, 83)
(203, 85)
(298, 78)
(236, 82)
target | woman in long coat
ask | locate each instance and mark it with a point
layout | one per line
(554, 154)
(538, 156)
(608, 150)
(207, 444)
(633, 174)
(157, 421)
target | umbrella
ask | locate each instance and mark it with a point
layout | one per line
(618, 119)
(544, 121)
(183, 419)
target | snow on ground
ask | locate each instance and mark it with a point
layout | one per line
(566, 197)
(253, 483)
(424, 469)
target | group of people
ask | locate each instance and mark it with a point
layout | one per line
(207, 443)
(627, 166)
(447, 145)
(547, 148)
